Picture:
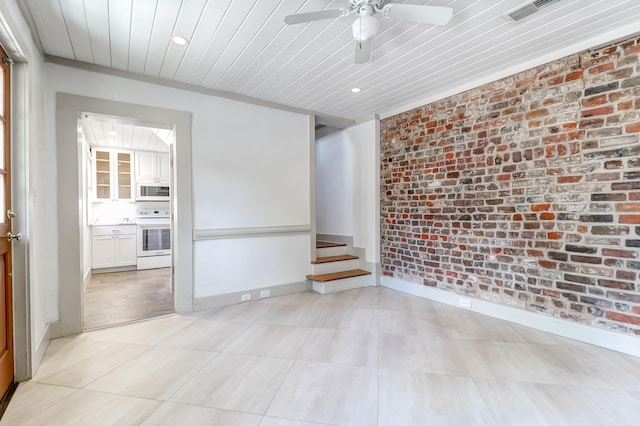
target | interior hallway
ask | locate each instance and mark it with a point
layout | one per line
(362, 357)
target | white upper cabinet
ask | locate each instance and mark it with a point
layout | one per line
(113, 175)
(153, 167)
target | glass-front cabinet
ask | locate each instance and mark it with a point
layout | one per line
(114, 177)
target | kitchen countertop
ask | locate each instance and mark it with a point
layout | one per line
(113, 221)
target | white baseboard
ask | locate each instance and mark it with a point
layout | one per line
(607, 339)
(208, 302)
(41, 347)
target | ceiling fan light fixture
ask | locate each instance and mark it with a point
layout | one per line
(365, 28)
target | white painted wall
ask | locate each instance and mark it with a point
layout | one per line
(242, 264)
(347, 186)
(334, 184)
(250, 168)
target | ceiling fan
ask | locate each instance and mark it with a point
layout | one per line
(365, 26)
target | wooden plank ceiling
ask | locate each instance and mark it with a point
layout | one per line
(243, 46)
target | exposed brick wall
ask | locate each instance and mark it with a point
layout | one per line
(525, 191)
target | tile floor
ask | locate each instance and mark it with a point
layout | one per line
(120, 297)
(364, 357)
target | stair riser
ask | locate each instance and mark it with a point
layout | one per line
(331, 267)
(331, 251)
(343, 284)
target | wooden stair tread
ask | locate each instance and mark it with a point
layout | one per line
(334, 259)
(327, 244)
(338, 275)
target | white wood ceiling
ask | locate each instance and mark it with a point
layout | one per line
(116, 133)
(243, 46)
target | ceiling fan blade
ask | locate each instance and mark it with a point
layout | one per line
(314, 16)
(363, 51)
(436, 15)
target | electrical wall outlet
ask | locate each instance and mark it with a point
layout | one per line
(245, 297)
(265, 293)
(465, 303)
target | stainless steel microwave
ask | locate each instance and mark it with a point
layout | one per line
(152, 192)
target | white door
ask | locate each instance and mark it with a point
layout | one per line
(125, 250)
(103, 252)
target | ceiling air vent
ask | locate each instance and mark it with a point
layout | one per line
(528, 9)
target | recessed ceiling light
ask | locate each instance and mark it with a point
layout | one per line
(355, 89)
(179, 40)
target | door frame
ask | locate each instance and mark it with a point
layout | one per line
(70, 275)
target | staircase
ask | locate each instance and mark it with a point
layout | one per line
(334, 270)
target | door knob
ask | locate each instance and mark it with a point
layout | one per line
(11, 236)
(10, 214)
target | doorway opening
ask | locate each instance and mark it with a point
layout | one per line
(126, 197)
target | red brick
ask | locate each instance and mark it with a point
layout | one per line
(630, 218)
(554, 235)
(569, 179)
(602, 68)
(575, 75)
(596, 100)
(632, 128)
(540, 207)
(632, 50)
(628, 207)
(629, 319)
(597, 111)
(547, 216)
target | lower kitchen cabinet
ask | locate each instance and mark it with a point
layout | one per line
(113, 246)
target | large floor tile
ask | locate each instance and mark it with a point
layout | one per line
(509, 361)
(155, 374)
(592, 366)
(531, 335)
(341, 347)
(620, 405)
(76, 362)
(94, 408)
(301, 311)
(540, 404)
(278, 341)
(206, 335)
(328, 393)
(348, 318)
(172, 414)
(235, 382)
(273, 421)
(426, 355)
(32, 398)
(474, 326)
(425, 399)
(418, 324)
(396, 301)
(148, 332)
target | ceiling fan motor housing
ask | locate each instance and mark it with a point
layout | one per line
(365, 27)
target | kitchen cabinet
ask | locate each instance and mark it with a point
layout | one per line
(152, 167)
(113, 246)
(114, 177)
